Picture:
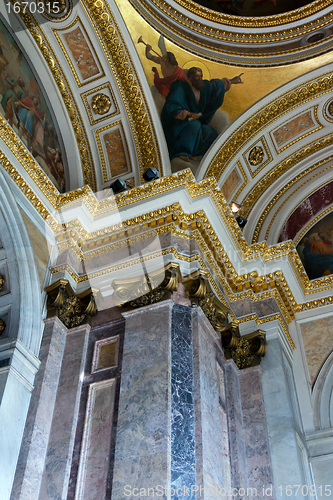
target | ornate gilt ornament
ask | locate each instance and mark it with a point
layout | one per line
(71, 309)
(69, 101)
(247, 22)
(2, 281)
(275, 173)
(200, 292)
(330, 108)
(144, 290)
(141, 291)
(245, 350)
(120, 61)
(2, 326)
(256, 155)
(101, 104)
(267, 114)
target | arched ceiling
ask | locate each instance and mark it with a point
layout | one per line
(243, 41)
(294, 162)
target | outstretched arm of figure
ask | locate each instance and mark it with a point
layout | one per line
(150, 56)
(236, 79)
(228, 82)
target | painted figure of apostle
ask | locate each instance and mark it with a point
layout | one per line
(188, 109)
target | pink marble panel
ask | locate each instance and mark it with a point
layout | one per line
(94, 460)
(318, 343)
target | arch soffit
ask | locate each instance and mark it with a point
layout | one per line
(121, 72)
(292, 127)
(322, 395)
(259, 41)
(24, 307)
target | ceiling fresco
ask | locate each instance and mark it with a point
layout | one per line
(257, 82)
(25, 109)
(316, 248)
(252, 8)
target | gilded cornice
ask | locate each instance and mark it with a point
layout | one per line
(47, 52)
(23, 186)
(196, 225)
(266, 115)
(129, 86)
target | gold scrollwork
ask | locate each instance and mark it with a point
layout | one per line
(147, 289)
(199, 290)
(330, 108)
(275, 174)
(101, 104)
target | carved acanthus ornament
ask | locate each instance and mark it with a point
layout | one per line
(200, 292)
(71, 309)
(245, 350)
(147, 289)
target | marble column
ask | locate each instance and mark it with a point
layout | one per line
(143, 444)
(170, 435)
(58, 458)
(31, 460)
(212, 466)
(259, 479)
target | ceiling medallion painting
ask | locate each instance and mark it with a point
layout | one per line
(25, 109)
(253, 8)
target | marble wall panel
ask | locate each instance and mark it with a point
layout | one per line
(235, 427)
(317, 338)
(208, 408)
(107, 324)
(30, 466)
(182, 404)
(61, 441)
(258, 461)
(94, 463)
(280, 422)
(143, 446)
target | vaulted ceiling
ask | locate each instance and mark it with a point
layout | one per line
(275, 154)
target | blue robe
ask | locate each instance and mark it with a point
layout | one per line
(191, 138)
(316, 263)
